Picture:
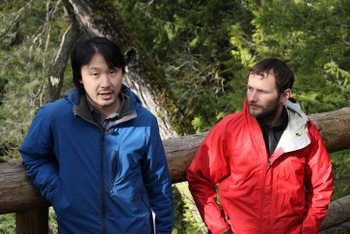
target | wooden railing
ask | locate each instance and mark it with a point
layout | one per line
(18, 195)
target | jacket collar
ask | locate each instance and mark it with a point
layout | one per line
(295, 136)
(81, 108)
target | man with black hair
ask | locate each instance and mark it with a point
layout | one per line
(96, 155)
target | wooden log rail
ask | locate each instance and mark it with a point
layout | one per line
(18, 195)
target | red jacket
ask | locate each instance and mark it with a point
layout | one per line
(288, 193)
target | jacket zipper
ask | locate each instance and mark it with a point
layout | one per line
(268, 164)
(103, 205)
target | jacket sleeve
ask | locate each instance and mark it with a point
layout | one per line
(157, 181)
(318, 183)
(38, 157)
(208, 167)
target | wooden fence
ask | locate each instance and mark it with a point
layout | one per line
(18, 195)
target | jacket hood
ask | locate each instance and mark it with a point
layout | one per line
(292, 105)
(295, 135)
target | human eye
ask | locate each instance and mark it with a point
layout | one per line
(114, 71)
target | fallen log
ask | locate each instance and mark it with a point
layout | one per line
(180, 152)
(17, 193)
(338, 213)
(334, 127)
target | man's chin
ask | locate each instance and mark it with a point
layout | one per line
(253, 111)
(105, 103)
(255, 114)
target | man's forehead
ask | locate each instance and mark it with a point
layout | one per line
(262, 75)
(262, 81)
(97, 66)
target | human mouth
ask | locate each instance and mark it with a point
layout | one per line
(253, 106)
(106, 95)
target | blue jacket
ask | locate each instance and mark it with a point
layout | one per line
(113, 181)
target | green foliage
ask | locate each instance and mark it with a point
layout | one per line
(202, 125)
(204, 48)
(52, 222)
(341, 174)
(190, 41)
(30, 38)
(312, 37)
(7, 224)
(187, 219)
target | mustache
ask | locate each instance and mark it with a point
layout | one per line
(253, 105)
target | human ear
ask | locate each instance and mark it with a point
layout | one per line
(285, 95)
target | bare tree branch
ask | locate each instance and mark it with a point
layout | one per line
(56, 71)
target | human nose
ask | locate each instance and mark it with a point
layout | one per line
(104, 81)
(252, 95)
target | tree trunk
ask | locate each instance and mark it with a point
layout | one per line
(101, 18)
(56, 71)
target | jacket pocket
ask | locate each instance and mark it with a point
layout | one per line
(114, 168)
(61, 203)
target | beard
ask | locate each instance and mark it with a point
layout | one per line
(266, 112)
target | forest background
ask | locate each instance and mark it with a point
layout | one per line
(204, 48)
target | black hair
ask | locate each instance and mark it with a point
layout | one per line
(283, 74)
(85, 49)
